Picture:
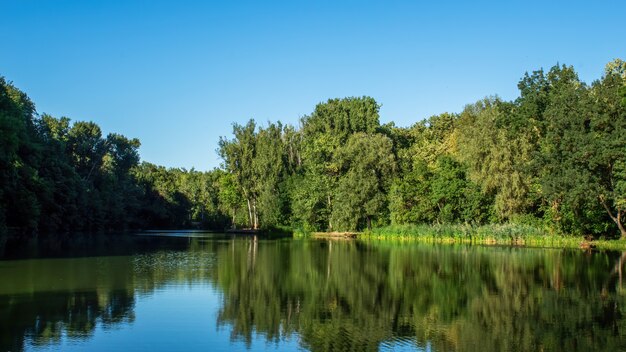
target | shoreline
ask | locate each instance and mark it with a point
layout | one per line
(487, 235)
(530, 242)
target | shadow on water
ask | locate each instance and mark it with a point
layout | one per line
(334, 296)
(94, 245)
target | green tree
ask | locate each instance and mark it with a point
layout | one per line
(567, 183)
(324, 132)
(367, 165)
(604, 152)
(455, 198)
(60, 200)
(19, 158)
(496, 158)
(270, 173)
(230, 199)
(239, 155)
(409, 200)
(163, 205)
(120, 196)
(87, 148)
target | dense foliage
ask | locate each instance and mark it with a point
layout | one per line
(555, 158)
(58, 176)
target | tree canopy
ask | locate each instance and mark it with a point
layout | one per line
(554, 156)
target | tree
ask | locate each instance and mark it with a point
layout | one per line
(163, 204)
(119, 193)
(270, 173)
(230, 199)
(87, 148)
(60, 200)
(324, 132)
(238, 155)
(367, 167)
(496, 158)
(434, 137)
(567, 183)
(19, 157)
(123, 152)
(455, 198)
(409, 200)
(604, 150)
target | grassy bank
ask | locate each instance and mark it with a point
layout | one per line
(501, 234)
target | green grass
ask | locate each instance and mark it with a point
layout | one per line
(500, 234)
(300, 232)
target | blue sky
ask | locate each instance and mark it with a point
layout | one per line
(177, 74)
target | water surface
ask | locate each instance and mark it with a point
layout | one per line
(164, 292)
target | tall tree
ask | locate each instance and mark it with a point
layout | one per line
(87, 148)
(270, 170)
(567, 183)
(367, 165)
(239, 155)
(323, 133)
(60, 200)
(19, 158)
(230, 198)
(607, 142)
(496, 158)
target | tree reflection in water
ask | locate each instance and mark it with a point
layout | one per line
(351, 296)
(43, 318)
(335, 296)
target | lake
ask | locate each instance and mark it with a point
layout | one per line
(199, 292)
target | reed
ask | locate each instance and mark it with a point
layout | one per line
(495, 234)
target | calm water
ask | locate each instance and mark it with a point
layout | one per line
(155, 293)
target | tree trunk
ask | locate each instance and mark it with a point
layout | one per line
(256, 215)
(330, 212)
(369, 223)
(249, 213)
(617, 219)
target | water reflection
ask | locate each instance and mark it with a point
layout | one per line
(327, 296)
(353, 296)
(44, 318)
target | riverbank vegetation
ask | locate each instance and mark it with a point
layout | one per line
(59, 176)
(551, 162)
(507, 234)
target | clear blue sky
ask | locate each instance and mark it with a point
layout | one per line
(176, 74)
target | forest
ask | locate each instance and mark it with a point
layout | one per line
(554, 158)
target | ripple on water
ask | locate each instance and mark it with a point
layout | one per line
(400, 344)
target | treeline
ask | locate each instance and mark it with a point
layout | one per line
(59, 176)
(554, 157)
